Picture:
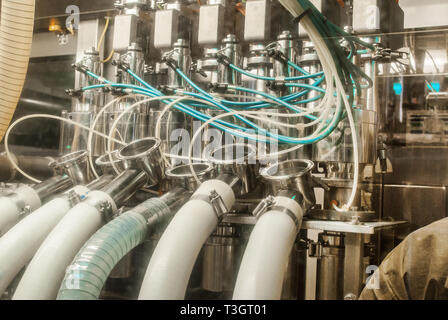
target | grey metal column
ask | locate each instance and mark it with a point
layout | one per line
(353, 265)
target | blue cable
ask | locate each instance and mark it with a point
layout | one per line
(152, 91)
(251, 75)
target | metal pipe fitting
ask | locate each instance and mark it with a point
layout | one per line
(53, 186)
(75, 165)
(239, 160)
(181, 176)
(105, 164)
(145, 154)
(292, 175)
(125, 185)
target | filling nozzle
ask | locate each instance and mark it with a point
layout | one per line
(292, 179)
(238, 166)
(74, 165)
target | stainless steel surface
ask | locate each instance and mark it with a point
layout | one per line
(105, 163)
(353, 265)
(125, 185)
(166, 28)
(182, 176)
(338, 146)
(258, 20)
(45, 44)
(101, 182)
(181, 55)
(76, 166)
(339, 226)
(211, 24)
(53, 186)
(333, 215)
(239, 160)
(418, 14)
(291, 175)
(221, 255)
(371, 16)
(230, 48)
(330, 267)
(125, 32)
(418, 204)
(145, 154)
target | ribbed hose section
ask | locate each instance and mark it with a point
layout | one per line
(16, 36)
(86, 276)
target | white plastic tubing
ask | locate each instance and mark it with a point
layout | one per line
(46, 270)
(16, 36)
(173, 260)
(330, 70)
(266, 257)
(10, 210)
(19, 244)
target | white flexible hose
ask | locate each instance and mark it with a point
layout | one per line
(172, 262)
(19, 244)
(9, 207)
(43, 276)
(265, 260)
(16, 36)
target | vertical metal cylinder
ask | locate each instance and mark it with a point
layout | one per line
(330, 267)
(220, 256)
(230, 49)
(181, 54)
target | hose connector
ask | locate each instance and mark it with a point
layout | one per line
(278, 55)
(121, 65)
(170, 62)
(223, 59)
(80, 68)
(216, 201)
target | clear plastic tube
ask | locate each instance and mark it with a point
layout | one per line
(87, 274)
(34, 116)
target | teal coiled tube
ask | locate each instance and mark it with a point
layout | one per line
(86, 276)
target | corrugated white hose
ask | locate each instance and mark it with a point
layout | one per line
(172, 262)
(325, 56)
(16, 37)
(43, 276)
(19, 244)
(34, 116)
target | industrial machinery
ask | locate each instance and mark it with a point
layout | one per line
(213, 149)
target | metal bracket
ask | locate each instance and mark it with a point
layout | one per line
(104, 207)
(382, 54)
(24, 209)
(73, 198)
(314, 249)
(269, 204)
(263, 207)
